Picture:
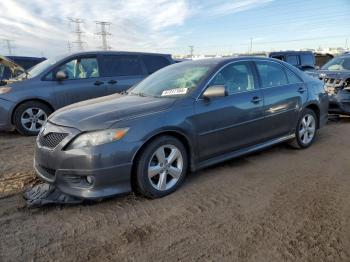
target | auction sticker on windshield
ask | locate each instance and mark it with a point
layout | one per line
(174, 92)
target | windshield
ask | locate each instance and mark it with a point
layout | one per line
(338, 64)
(39, 68)
(173, 81)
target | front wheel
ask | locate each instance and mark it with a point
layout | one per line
(30, 116)
(161, 167)
(306, 130)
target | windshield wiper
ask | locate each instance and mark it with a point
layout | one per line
(139, 94)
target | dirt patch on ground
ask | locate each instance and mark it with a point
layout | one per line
(277, 205)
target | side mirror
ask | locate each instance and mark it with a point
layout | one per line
(215, 91)
(60, 75)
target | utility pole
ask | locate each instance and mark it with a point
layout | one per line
(77, 31)
(69, 46)
(191, 51)
(346, 44)
(251, 46)
(104, 33)
(9, 46)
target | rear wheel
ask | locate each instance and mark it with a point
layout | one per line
(161, 167)
(30, 116)
(306, 130)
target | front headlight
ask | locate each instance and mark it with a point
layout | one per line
(4, 90)
(98, 138)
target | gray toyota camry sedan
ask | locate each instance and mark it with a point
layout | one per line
(182, 118)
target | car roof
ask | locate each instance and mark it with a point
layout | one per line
(25, 57)
(225, 60)
(290, 52)
(115, 53)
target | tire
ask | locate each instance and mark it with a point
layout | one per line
(155, 178)
(29, 117)
(302, 141)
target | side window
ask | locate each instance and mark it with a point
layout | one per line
(292, 77)
(271, 74)
(154, 63)
(307, 59)
(122, 65)
(279, 57)
(293, 60)
(79, 68)
(236, 77)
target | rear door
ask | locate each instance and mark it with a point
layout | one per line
(120, 72)
(83, 80)
(284, 94)
(232, 122)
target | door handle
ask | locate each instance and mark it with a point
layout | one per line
(301, 90)
(98, 83)
(112, 82)
(256, 99)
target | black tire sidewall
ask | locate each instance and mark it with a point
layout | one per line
(23, 107)
(298, 139)
(143, 184)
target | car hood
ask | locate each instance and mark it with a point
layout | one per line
(330, 74)
(103, 112)
(11, 64)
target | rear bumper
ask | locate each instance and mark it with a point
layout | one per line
(6, 108)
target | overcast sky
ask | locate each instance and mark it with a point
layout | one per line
(41, 27)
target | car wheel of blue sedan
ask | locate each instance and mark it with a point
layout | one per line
(161, 167)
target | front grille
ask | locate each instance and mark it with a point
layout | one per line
(51, 140)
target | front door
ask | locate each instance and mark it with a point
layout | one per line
(232, 122)
(83, 81)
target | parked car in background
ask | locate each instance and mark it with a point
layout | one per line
(321, 59)
(304, 60)
(11, 66)
(336, 77)
(27, 100)
(182, 118)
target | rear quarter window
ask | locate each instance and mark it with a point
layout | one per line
(154, 63)
(292, 77)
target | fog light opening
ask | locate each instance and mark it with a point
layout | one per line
(90, 180)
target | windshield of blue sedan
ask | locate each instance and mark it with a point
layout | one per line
(338, 64)
(172, 81)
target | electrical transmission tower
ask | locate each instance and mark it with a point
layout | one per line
(77, 31)
(104, 33)
(191, 51)
(8, 44)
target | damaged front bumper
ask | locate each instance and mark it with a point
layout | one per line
(339, 95)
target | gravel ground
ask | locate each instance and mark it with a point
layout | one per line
(277, 205)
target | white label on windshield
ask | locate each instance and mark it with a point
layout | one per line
(177, 91)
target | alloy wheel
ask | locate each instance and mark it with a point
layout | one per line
(33, 119)
(165, 167)
(307, 129)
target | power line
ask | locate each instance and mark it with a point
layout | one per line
(78, 32)
(104, 33)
